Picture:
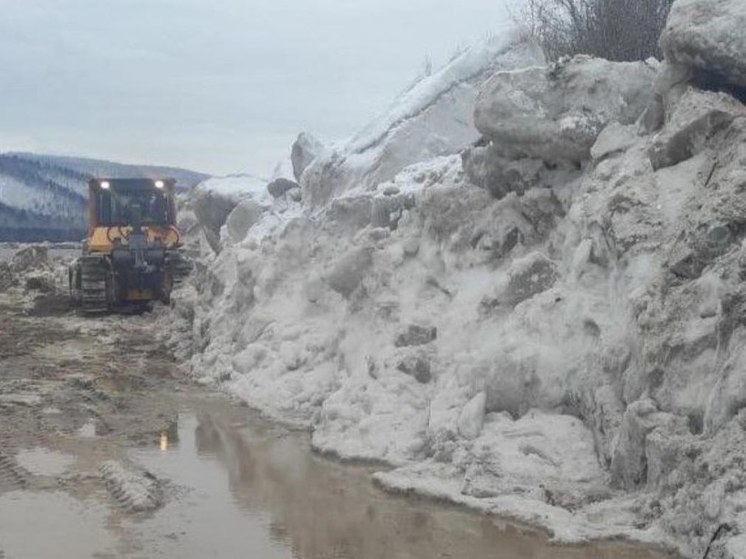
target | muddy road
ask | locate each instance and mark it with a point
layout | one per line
(107, 450)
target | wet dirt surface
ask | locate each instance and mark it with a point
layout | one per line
(65, 251)
(107, 450)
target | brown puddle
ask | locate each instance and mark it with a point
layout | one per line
(236, 486)
(245, 488)
(41, 525)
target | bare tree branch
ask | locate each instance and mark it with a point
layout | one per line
(613, 29)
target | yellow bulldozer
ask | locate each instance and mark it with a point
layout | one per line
(132, 254)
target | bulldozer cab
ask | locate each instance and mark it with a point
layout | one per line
(132, 202)
(119, 209)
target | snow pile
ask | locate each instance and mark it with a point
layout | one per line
(525, 115)
(433, 118)
(305, 149)
(707, 36)
(550, 334)
(212, 201)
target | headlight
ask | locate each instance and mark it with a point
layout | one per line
(160, 184)
(105, 185)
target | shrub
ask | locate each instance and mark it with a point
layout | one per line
(619, 30)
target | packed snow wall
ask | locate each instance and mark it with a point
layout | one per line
(545, 323)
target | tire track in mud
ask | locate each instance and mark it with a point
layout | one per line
(60, 372)
(12, 476)
(134, 488)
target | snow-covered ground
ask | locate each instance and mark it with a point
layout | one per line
(540, 319)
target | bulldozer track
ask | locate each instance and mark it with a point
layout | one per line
(88, 392)
(12, 476)
(94, 286)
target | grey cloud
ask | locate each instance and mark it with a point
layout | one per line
(218, 85)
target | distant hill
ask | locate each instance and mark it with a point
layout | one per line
(43, 197)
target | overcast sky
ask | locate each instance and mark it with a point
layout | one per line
(220, 86)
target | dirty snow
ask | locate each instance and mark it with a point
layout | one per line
(549, 337)
(431, 119)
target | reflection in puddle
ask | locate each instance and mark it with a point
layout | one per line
(258, 491)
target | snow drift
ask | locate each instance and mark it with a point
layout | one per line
(433, 118)
(545, 324)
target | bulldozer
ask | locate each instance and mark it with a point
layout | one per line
(132, 254)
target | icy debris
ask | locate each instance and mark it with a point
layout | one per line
(697, 117)
(31, 268)
(417, 366)
(707, 35)
(279, 187)
(345, 276)
(702, 494)
(30, 258)
(536, 132)
(417, 177)
(629, 465)
(551, 447)
(134, 488)
(212, 210)
(689, 260)
(187, 223)
(557, 113)
(243, 204)
(305, 149)
(728, 396)
(295, 194)
(538, 468)
(431, 119)
(415, 335)
(613, 139)
(472, 417)
(529, 276)
(665, 449)
(242, 218)
(736, 547)
(487, 169)
(670, 84)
